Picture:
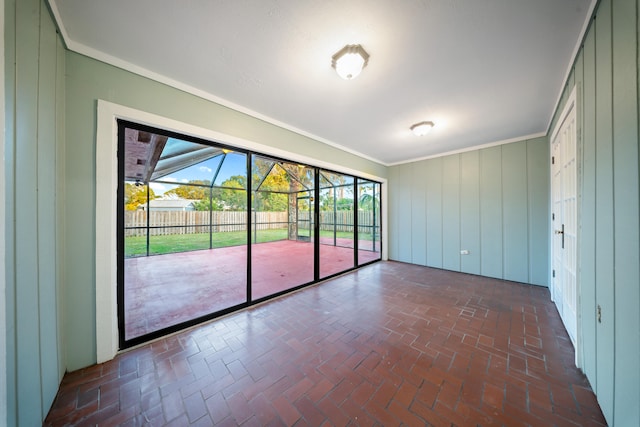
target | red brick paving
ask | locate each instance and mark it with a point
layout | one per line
(391, 344)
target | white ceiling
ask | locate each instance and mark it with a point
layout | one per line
(485, 71)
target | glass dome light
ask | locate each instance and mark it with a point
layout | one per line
(349, 61)
(422, 128)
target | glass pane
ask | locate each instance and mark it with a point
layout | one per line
(337, 233)
(282, 251)
(260, 168)
(185, 243)
(233, 172)
(166, 240)
(186, 232)
(201, 173)
(368, 222)
(304, 175)
(332, 179)
(229, 218)
(178, 155)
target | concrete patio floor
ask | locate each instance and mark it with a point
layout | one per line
(166, 290)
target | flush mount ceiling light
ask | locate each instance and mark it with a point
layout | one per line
(422, 128)
(349, 61)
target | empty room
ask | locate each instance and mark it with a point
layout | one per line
(381, 213)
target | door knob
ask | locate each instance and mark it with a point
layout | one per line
(559, 231)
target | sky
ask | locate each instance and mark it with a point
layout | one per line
(233, 164)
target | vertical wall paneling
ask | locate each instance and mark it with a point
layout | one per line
(26, 218)
(492, 202)
(605, 279)
(470, 211)
(607, 70)
(515, 212)
(404, 190)
(434, 234)
(586, 213)
(394, 209)
(626, 212)
(60, 195)
(538, 215)
(9, 187)
(418, 213)
(3, 296)
(451, 205)
(33, 87)
(491, 212)
(46, 225)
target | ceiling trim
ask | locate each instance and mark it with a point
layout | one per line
(160, 78)
(574, 56)
(474, 148)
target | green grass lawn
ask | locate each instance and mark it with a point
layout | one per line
(137, 246)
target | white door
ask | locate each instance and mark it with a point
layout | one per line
(564, 219)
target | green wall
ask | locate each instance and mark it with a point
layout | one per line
(89, 80)
(492, 202)
(34, 84)
(606, 76)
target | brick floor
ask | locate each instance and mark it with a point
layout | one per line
(391, 344)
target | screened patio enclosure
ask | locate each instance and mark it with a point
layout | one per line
(205, 228)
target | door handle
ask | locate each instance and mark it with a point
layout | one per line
(561, 232)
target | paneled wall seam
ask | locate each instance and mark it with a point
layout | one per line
(460, 230)
(594, 28)
(613, 194)
(60, 130)
(502, 237)
(528, 196)
(480, 213)
(36, 203)
(11, 265)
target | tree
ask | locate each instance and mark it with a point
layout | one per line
(231, 198)
(271, 202)
(344, 204)
(193, 190)
(136, 195)
(203, 205)
(272, 195)
(366, 202)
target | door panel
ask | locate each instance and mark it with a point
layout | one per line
(564, 221)
(282, 255)
(369, 244)
(337, 232)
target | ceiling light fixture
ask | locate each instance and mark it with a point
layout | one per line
(422, 128)
(349, 61)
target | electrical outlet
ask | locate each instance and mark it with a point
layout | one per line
(464, 252)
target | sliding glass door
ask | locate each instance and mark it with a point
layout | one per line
(336, 227)
(282, 244)
(205, 229)
(185, 221)
(369, 243)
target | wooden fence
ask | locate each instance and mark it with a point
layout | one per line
(190, 222)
